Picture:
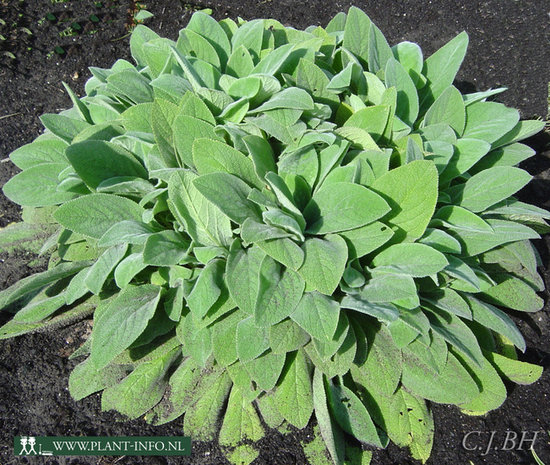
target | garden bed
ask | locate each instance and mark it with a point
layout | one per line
(45, 43)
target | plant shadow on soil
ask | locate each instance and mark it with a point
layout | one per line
(506, 48)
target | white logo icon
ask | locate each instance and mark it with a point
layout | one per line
(28, 441)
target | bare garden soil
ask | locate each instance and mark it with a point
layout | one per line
(44, 42)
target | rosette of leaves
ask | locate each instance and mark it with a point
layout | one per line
(272, 224)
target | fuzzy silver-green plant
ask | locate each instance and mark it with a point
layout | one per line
(279, 223)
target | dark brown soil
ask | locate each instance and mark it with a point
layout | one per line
(508, 47)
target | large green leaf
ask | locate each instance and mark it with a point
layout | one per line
(440, 68)
(279, 293)
(318, 315)
(489, 121)
(93, 215)
(352, 415)
(203, 221)
(356, 30)
(38, 281)
(407, 96)
(201, 418)
(212, 156)
(95, 161)
(414, 259)
(448, 109)
(324, 263)
(122, 321)
(229, 193)
(142, 389)
(381, 371)
(240, 422)
(294, 396)
(453, 385)
(37, 186)
(490, 186)
(330, 431)
(411, 192)
(243, 276)
(252, 340)
(342, 206)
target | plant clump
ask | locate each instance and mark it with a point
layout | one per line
(269, 223)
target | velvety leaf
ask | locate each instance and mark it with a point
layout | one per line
(453, 385)
(141, 389)
(410, 56)
(411, 191)
(515, 370)
(324, 263)
(407, 96)
(343, 206)
(207, 288)
(318, 315)
(286, 336)
(448, 109)
(352, 416)
(126, 232)
(93, 215)
(128, 268)
(291, 98)
(229, 194)
(382, 311)
(356, 30)
(515, 294)
(95, 161)
(379, 50)
(243, 276)
(38, 152)
(387, 287)
(37, 186)
(509, 155)
(181, 384)
(130, 85)
(285, 251)
(250, 35)
(371, 119)
(208, 27)
(266, 369)
(241, 422)
(186, 130)
(440, 240)
(252, 340)
(62, 126)
(522, 130)
(294, 396)
(165, 248)
(455, 331)
(203, 221)
(201, 418)
(100, 270)
(122, 321)
(467, 153)
(489, 121)
(279, 293)
(212, 156)
(330, 431)
(381, 371)
(366, 239)
(492, 390)
(414, 259)
(495, 319)
(490, 186)
(440, 68)
(476, 242)
(142, 34)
